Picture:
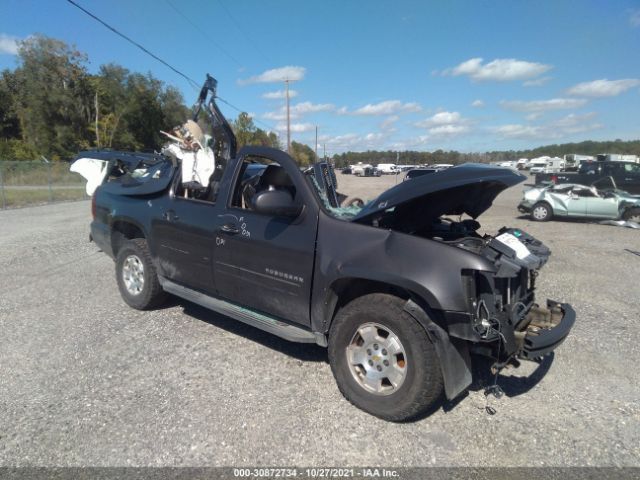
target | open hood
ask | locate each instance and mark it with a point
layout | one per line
(469, 188)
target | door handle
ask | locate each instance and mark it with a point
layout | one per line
(170, 216)
(230, 228)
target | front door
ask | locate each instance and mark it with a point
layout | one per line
(262, 261)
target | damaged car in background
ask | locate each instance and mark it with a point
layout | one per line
(543, 203)
(251, 236)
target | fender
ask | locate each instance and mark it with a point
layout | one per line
(326, 309)
(453, 354)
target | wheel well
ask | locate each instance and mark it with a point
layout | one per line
(347, 289)
(545, 203)
(121, 231)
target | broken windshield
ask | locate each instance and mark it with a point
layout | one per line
(341, 213)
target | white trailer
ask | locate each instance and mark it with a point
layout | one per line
(388, 168)
(537, 165)
(617, 157)
(572, 161)
(554, 165)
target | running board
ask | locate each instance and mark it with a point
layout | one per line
(255, 319)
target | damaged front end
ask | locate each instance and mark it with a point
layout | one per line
(506, 321)
(498, 316)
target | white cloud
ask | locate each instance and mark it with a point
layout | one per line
(477, 103)
(296, 127)
(8, 44)
(538, 82)
(308, 107)
(279, 94)
(440, 118)
(634, 17)
(389, 123)
(278, 115)
(603, 87)
(444, 124)
(388, 107)
(298, 110)
(543, 105)
(500, 69)
(351, 141)
(560, 128)
(518, 131)
(448, 130)
(276, 75)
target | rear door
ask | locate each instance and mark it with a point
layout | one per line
(265, 262)
(184, 239)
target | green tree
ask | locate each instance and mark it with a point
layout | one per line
(303, 154)
(244, 129)
(54, 99)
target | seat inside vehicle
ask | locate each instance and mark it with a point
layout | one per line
(272, 177)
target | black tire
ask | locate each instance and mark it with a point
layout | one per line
(541, 212)
(150, 294)
(632, 215)
(422, 383)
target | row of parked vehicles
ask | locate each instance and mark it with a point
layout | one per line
(410, 171)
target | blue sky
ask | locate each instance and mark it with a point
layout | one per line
(423, 75)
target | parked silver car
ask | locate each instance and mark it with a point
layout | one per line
(573, 200)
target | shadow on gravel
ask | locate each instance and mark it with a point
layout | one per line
(567, 220)
(510, 381)
(308, 352)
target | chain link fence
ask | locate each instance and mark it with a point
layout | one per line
(25, 183)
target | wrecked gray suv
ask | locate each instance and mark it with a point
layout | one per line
(399, 292)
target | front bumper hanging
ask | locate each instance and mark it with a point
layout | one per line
(546, 329)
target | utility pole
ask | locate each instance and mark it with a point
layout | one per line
(288, 120)
(316, 142)
(97, 129)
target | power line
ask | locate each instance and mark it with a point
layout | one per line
(191, 81)
(203, 33)
(128, 39)
(241, 30)
(270, 127)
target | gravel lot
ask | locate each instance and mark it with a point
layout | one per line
(87, 381)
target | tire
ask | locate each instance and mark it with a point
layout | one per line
(136, 276)
(414, 367)
(354, 201)
(541, 212)
(632, 215)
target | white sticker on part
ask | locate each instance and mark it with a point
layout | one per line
(512, 242)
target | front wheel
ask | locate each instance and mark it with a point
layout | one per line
(541, 212)
(136, 276)
(632, 215)
(382, 359)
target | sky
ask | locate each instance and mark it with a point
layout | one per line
(471, 76)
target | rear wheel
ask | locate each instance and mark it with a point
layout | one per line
(136, 276)
(541, 212)
(382, 359)
(632, 215)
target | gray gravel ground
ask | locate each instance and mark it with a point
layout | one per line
(85, 380)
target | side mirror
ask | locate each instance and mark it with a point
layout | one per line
(278, 203)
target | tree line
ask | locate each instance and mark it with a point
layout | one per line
(588, 147)
(52, 107)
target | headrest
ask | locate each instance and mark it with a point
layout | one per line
(275, 175)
